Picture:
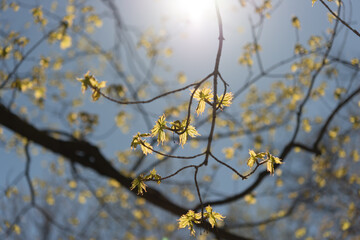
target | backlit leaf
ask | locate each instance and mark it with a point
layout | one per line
(65, 42)
(295, 22)
(159, 129)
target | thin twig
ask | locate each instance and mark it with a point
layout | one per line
(228, 166)
(215, 82)
(340, 19)
(145, 101)
(198, 192)
(25, 56)
(27, 173)
(172, 156)
(175, 173)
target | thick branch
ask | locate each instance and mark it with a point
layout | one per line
(89, 156)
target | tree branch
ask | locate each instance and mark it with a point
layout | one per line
(338, 18)
(89, 156)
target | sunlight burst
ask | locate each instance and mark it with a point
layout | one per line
(194, 11)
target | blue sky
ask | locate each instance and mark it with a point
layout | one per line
(194, 43)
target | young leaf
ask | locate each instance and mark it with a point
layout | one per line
(96, 90)
(90, 81)
(65, 42)
(270, 167)
(153, 176)
(158, 129)
(16, 229)
(226, 101)
(354, 61)
(188, 220)
(252, 159)
(145, 146)
(296, 22)
(190, 131)
(139, 184)
(204, 95)
(213, 216)
(271, 162)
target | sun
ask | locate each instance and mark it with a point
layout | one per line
(193, 11)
